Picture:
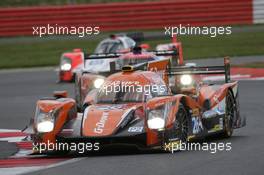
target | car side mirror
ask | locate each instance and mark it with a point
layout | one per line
(60, 94)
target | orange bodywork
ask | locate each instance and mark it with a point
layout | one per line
(115, 115)
(62, 117)
(214, 95)
(103, 119)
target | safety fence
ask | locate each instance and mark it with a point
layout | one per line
(132, 15)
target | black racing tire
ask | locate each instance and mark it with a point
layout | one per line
(181, 124)
(229, 115)
(77, 93)
(180, 129)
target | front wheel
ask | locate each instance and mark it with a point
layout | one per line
(179, 133)
(182, 124)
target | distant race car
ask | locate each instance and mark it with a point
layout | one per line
(70, 62)
(73, 62)
(147, 119)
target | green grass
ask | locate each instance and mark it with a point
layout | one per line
(35, 54)
(18, 53)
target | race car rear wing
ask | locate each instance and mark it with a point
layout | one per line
(181, 70)
(102, 56)
(116, 55)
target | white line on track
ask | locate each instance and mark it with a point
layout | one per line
(24, 170)
(12, 139)
(10, 130)
(22, 153)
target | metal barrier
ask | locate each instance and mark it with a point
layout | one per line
(258, 11)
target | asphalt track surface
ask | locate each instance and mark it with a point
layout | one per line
(19, 91)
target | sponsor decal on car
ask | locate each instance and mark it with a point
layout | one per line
(114, 107)
(100, 125)
(135, 129)
(197, 125)
(216, 128)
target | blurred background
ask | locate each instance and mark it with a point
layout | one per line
(19, 48)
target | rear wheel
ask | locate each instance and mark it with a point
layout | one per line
(77, 90)
(230, 115)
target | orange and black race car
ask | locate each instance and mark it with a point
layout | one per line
(137, 107)
(93, 78)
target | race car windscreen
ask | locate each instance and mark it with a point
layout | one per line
(109, 47)
(129, 93)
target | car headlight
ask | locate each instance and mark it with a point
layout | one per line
(156, 119)
(66, 64)
(44, 121)
(98, 82)
(45, 126)
(66, 67)
(186, 80)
